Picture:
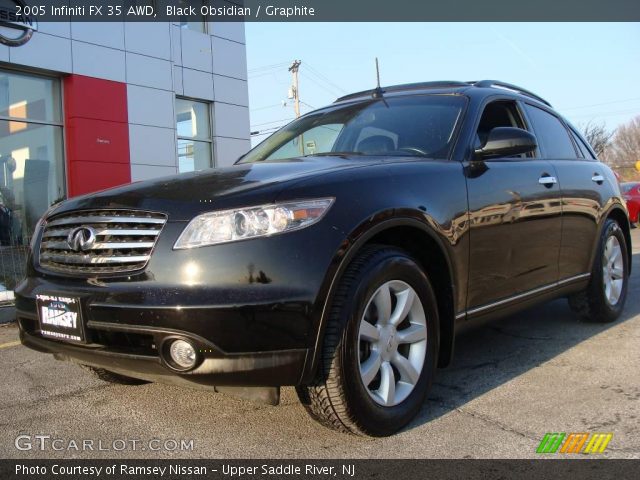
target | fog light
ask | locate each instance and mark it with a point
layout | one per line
(183, 354)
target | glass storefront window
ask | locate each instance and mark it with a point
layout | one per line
(198, 26)
(193, 155)
(196, 23)
(31, 162)
(193, 125)
(27, 97)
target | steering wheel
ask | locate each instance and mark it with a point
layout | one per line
(414, 150)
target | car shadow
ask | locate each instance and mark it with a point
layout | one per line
(490, 355)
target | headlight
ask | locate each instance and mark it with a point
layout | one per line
(238, 224)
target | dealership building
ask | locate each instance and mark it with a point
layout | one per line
(86, 106)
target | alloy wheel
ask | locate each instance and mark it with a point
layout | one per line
(392, 343)
(612, 270)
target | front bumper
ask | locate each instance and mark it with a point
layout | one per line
(257, 369)
(254, 350)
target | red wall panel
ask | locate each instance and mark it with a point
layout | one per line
(88, 177)
(97, 134)
(97, 140)
(95, 98)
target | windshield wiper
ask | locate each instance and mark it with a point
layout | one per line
(333, 154)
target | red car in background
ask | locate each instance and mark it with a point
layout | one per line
(631, 193)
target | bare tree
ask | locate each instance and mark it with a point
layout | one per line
(598, 137)
(625, 146)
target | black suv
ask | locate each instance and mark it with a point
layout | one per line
(340, 255)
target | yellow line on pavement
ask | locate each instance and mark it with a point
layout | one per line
(9, 344)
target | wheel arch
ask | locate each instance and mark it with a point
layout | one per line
(620, 216)
(413, 232)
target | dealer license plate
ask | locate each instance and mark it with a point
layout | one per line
(60, 318)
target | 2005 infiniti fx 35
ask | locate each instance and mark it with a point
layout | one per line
(340, 255)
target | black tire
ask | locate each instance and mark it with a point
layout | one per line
(592, 304)
(338, 397)
(112, 377)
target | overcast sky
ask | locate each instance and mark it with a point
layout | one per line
(587, 71)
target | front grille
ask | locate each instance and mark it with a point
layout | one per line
(121, 241)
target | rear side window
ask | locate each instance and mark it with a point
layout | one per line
(551, 134)
(586, 153)
(578, 144)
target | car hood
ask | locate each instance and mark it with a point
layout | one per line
(184, 196)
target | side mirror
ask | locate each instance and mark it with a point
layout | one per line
(507, 141)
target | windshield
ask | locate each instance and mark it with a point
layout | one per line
(417, 125)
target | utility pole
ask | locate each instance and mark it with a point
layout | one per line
(296, 97)
(294, 88)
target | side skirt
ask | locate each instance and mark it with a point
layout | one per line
(521, 301)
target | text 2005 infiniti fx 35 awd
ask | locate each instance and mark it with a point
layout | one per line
(340, 255)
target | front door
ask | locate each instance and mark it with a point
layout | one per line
(515, 219)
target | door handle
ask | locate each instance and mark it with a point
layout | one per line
(597, 178)
(547, 180)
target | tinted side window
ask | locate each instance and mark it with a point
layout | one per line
(578, 145)
(551, 134)
(500, 113)
(582, 146)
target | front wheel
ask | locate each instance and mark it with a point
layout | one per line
(379, 352)
(604, 298)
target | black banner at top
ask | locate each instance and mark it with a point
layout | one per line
(28, 13)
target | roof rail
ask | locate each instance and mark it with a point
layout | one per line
(406, 86)
(508, 86)
(444, 84)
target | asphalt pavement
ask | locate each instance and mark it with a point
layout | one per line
(511, 382)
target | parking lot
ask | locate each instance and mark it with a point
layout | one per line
(511, 382)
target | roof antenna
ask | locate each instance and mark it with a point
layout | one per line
(377, 93)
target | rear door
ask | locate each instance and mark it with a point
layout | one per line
(585, 187)
(515, 219)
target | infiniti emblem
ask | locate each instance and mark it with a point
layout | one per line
(81, 239)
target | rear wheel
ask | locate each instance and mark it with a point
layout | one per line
(604, 298)
(379, 353)
(112, 377)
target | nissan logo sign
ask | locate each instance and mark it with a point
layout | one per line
(14, 19)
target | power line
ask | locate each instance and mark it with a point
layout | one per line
(264, 74)
(322, 76)
(607, 114)
(601, 104)
(325, 84)
(268, 106)
(268, 67)
(326, 89)
(273, 121)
